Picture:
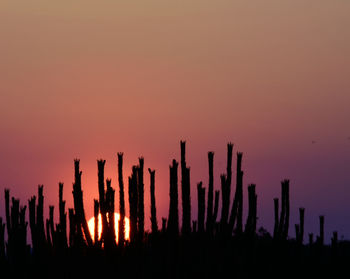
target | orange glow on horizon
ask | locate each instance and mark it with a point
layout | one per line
(91, 225)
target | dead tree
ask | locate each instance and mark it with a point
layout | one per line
(276, 209)
(300, 238)
(17, 231)
(96, 213)
(186, 192)
(225, 198)
(250, 227)
(40, 217)
(320, 238)
(36, 221)
(140, 195)
(237, 206)
(201, 207)
(216, 207)
(284, 218)
(62, 226)
(226, 188)
(121, 225)
(153, 202)
(133, 203)
(81, 222)
(110, 208)
(209, 224)
(173, 220)
(102, 197)
(73, 238)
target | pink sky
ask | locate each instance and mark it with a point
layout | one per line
(87, 80)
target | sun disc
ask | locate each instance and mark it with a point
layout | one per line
(91, 225)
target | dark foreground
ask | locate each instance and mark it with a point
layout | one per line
(194, 257)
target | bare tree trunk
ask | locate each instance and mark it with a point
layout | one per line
(173, 220)
(209, 224)
(121, 225)
(201, 207)
(186, 192)
(153, 202)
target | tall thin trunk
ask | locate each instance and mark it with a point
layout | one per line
(133, 203)
(173, 220)
(102, 197)
(62, 228)
(321, 237)
(209, 224)
(96, 213)
(121, 225)
(153, 202)
(82, 225)
(276, 209)
(141, 207)
(201, 207)
(301, 224)
(287, 205)
(216, 206)
(225, 202)
(186, 192)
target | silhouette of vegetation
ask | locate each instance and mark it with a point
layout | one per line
(203, 247)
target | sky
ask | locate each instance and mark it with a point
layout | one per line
(87, 79)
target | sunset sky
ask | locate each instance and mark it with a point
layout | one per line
(87, 79)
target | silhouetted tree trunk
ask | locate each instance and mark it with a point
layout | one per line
(110, 208)
(72, 228)
(51, 229)
(121, 225)
(284, 218)
(17, 232)
(96, 213)
(102, 197)
(286, 225)
(153, 202)
(237, 206)
(250, 227)
(301, 224)
(216, 206)
(32, 222)
(321, 237)
(186, 192)
(133, 203)
(173, 220)
(239, 187)
(225, 201)
(62, 228)
(140, 195)
(7, 209)
(79, 205)
(201, 207)
(40, 217)
(226, 189)
(276, 209)
(209, 224)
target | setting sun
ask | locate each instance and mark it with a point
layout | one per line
(91, 224)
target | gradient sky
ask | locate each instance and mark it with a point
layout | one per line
(87, 79)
